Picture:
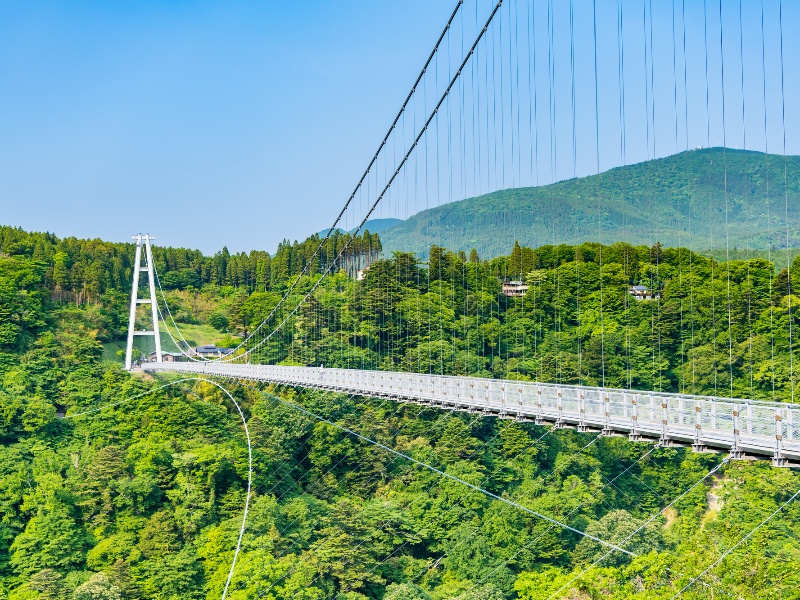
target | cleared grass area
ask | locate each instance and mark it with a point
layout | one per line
(110, 350)
(195, 335)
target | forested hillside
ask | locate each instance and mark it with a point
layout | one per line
(679, 200)
(138, 492)
(82, 271)
(578, 322)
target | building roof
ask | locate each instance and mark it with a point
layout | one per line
(212, 349)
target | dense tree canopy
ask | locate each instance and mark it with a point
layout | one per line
(705, 327)
(84, 270)
(138, 493)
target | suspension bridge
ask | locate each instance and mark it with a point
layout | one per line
(480, 117)
(742, 427)
(461, 130)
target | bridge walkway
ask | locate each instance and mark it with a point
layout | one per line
(746, 428)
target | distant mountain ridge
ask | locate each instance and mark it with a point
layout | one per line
(676, 200)
(373, 226)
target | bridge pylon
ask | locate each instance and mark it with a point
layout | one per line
(136, 301)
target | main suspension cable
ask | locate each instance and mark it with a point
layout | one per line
(372, 162)
(379, 198)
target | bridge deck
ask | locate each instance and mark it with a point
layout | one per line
(762, 429)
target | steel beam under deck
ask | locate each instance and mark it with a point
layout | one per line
(743, 427)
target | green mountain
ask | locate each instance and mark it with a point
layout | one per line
(679, 200)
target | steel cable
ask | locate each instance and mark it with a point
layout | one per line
(424, 129)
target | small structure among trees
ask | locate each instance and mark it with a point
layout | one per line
(167, 357)
(641, 292)
(209, 351)
(515, 288)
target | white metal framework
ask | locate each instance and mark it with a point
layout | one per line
(763, 429)
(136, 301)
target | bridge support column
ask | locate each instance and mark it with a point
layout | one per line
(634, 435)
(697, 445)
(539, 418)
(736, 452)
(135, 301)
(779, 460)
(607, 430)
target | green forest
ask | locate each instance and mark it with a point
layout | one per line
(115, 485)
(84, 271)
(713, 329)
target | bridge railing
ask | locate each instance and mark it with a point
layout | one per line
(741, 425)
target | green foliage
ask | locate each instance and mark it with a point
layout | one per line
(540, 585)
(52, 539)
(86, 270)
(405, 591)
(616, 527)
(218, 321)
(143, 499)
(97, 588)
(483, 592)
(49, 583)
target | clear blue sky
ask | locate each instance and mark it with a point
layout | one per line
(227, 123)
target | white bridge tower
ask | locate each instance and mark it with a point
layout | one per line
(136, 301)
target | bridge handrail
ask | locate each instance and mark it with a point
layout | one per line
(526, 382)
(758, 426)
(563, 386)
